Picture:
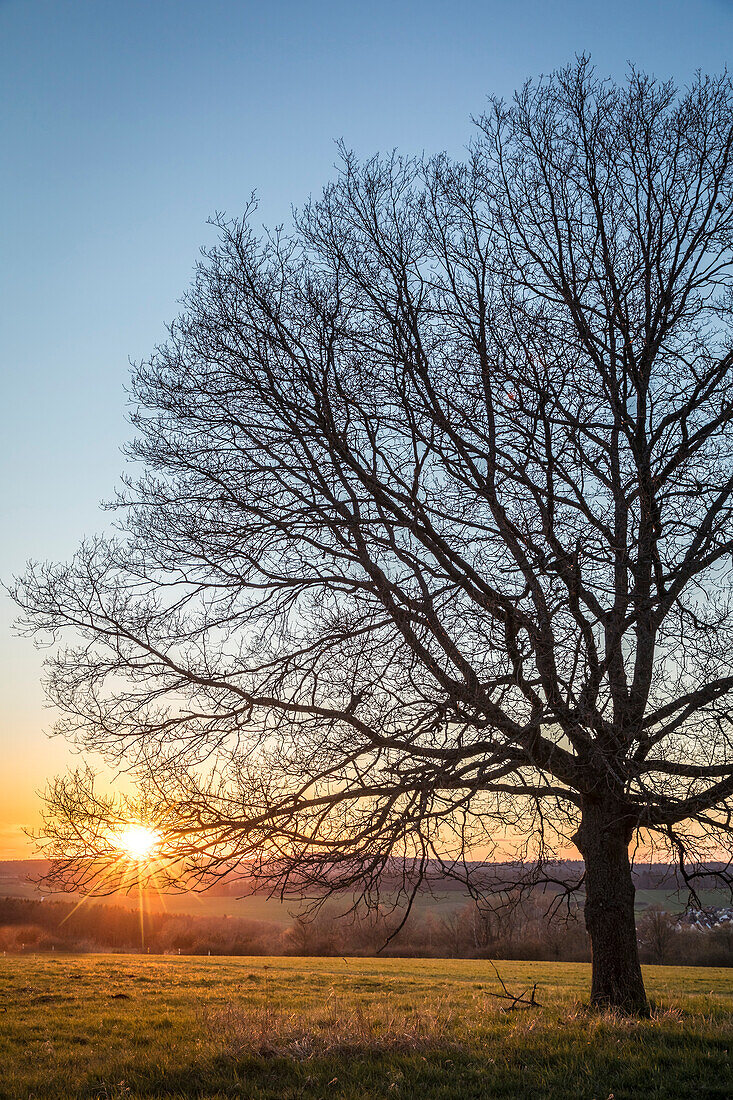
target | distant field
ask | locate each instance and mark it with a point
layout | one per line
(255, 907)
(114, 1027)
(258, 907)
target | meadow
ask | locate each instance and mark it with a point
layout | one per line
(121, 1026)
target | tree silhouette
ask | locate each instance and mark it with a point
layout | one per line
(433, 541)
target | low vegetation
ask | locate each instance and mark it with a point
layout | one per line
(108, 1027)
(465, 931)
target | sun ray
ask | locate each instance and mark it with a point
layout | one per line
(85, 897)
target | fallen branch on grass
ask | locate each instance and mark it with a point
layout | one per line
(518, 1000)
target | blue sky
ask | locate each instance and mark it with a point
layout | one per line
(125, 124)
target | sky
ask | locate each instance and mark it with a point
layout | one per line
(125, 124)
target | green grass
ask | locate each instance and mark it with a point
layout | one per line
(117, 1026)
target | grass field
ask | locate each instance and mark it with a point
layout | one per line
(120, 1026)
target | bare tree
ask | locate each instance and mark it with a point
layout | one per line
(433, 542)
(657, 934)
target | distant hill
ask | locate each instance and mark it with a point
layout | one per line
(19, 877)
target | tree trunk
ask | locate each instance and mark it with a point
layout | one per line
(603, 839)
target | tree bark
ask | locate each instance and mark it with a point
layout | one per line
(603, 839)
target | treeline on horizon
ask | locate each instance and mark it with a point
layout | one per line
(647, 876)
(522, 930)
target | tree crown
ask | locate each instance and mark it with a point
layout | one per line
(434, 534)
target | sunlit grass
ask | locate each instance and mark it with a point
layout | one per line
(136, 1026)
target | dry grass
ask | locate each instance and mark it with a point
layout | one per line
(340, 1027)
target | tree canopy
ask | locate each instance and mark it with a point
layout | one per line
(432, 544)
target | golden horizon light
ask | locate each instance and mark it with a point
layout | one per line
(138, 842)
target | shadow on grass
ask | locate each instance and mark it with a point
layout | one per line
(432, 1075)
(371, 1052)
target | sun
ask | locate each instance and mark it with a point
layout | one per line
(137, 842)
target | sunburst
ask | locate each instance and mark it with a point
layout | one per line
(137, 842)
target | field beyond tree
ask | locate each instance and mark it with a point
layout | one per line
(112, 1026)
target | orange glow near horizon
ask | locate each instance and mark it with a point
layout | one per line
(137, 842)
